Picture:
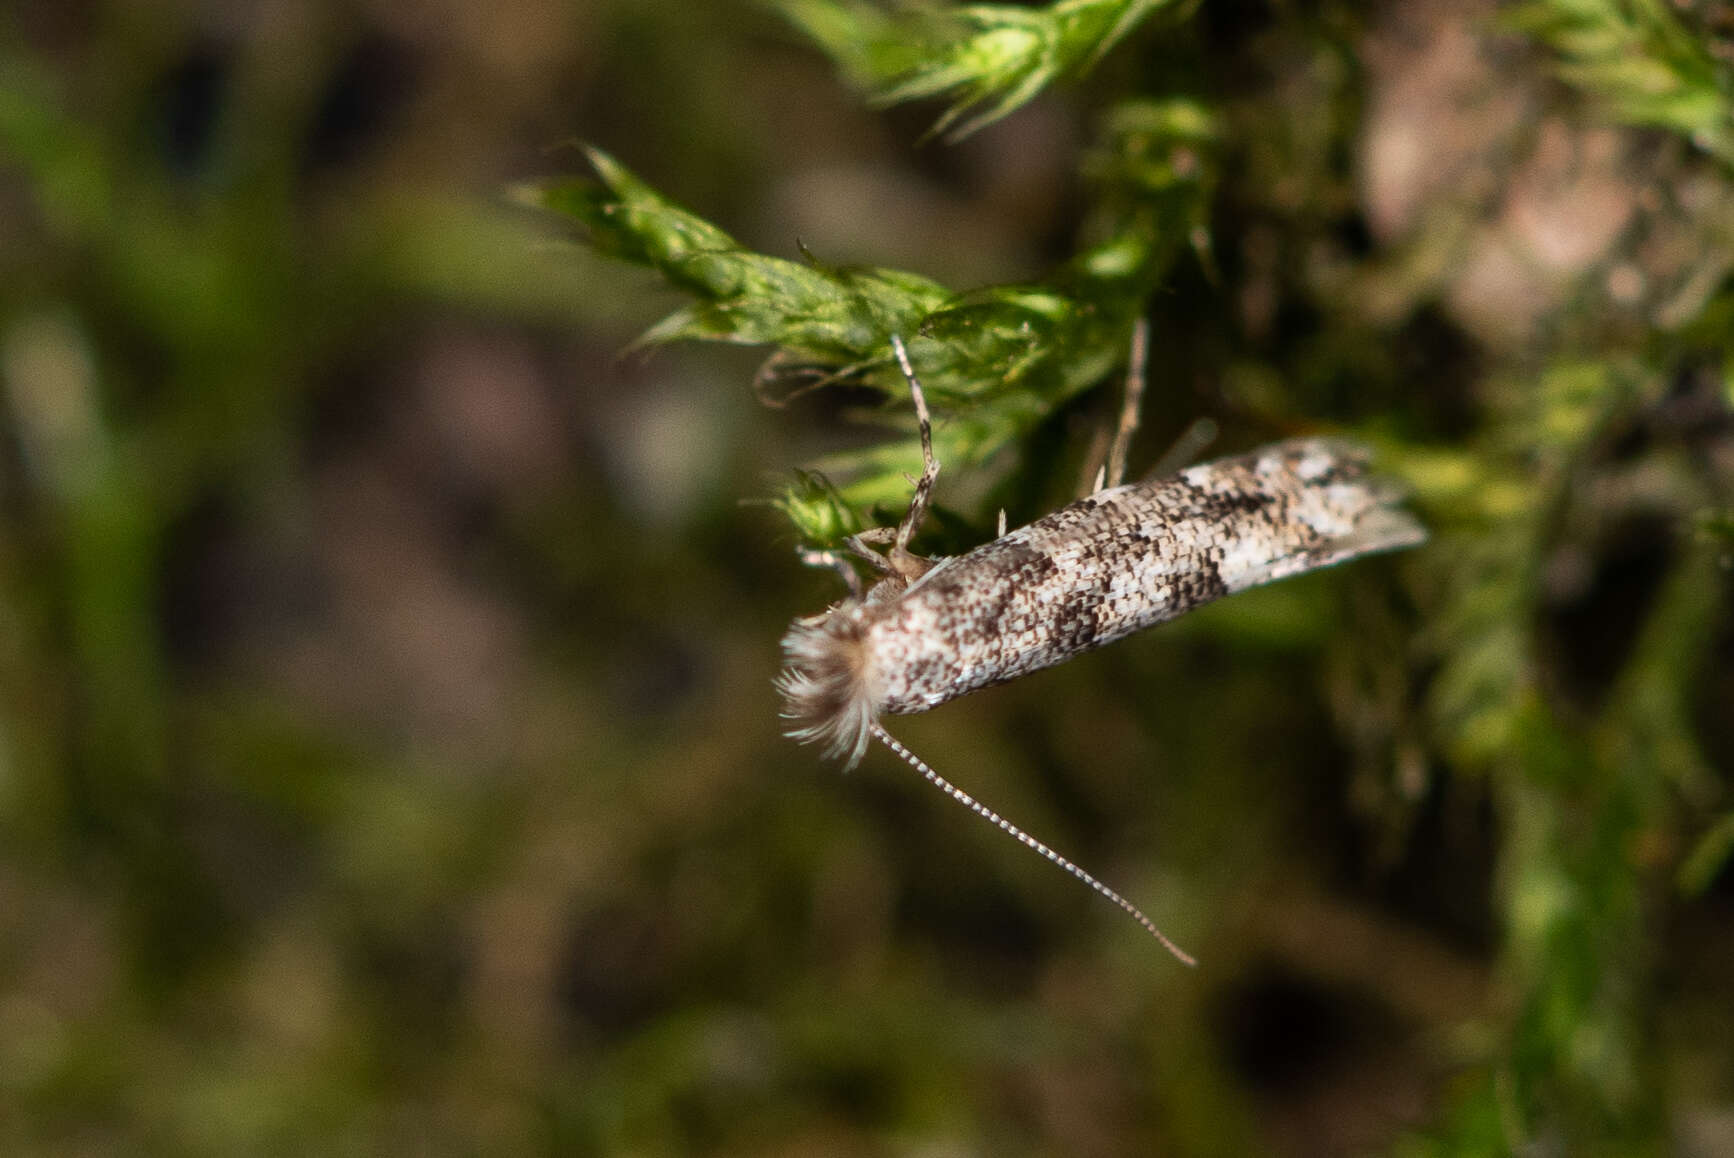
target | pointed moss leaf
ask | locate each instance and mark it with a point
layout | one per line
(988, 59)
(817, 511)
(627, 219)
(838, 315)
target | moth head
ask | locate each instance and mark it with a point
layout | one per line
(826, 697)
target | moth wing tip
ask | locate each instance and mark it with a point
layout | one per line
(1388, 528)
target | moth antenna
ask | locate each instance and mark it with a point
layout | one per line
(1024, 838)
(1131, 405)
(929, 465)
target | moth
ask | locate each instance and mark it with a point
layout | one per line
(1122, 559)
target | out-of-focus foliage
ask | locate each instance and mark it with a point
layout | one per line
(1641, 63)
(743, 297)
(1585, 776)
(388, 754)
(1005, 356)
(988, 59)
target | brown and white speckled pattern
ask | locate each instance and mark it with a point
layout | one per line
(1098, 570)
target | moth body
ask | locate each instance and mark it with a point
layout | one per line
(1122, 559)
(1093, 572)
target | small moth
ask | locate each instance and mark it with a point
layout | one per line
(1122, 559)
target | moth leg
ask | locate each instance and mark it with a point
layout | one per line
(901, 557)
(1131, 405)
(1105, 463)
(858, 547)
(838, 564)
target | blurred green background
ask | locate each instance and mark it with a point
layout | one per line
(390, 762)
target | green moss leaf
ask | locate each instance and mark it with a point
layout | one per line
(1640, 63)
(987, 59)
(994, 361)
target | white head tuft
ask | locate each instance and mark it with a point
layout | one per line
(825, 687)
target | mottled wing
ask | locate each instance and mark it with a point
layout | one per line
(1098, 570)
(1126, 559)
(1297, 506)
